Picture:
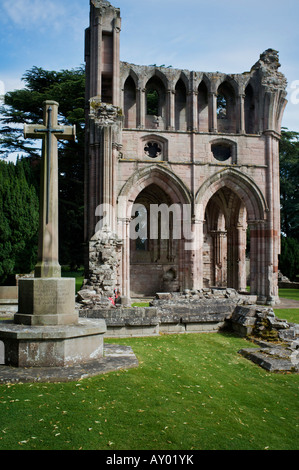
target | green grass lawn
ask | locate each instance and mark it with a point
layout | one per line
(291, 314)
(289, 294)
(189, 392)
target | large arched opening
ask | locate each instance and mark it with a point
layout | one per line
(154, 259)
(232, 208)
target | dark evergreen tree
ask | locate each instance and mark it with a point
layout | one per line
(19, 213)
(289, 183)
(67, 87)
(289, 258)
(289, 189)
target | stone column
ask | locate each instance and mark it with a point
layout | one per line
(194, 110)
(194, 249)
(241, 113)
(242, 235)
(257, 260)
(116, 60)
(141, 107)
(213, 112)
(219, 257)
(95, 62)
(124, 232)
(170, 110)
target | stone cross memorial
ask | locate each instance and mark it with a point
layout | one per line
(46, 330)
(50, 132)
(48, 299)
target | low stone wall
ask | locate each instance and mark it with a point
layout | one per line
(288, 285)
(8, 299)
(8, 293)
(207, 310)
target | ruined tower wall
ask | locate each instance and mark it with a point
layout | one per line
(169, 136)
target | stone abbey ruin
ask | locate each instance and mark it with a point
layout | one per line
(201, 147)
(182, 208)
(182, 196)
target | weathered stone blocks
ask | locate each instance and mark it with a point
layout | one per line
(52, 346)
(46, 301)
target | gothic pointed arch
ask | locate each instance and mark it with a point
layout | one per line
(226, 106)
(171, 184)
(130, 103)
(247, 190)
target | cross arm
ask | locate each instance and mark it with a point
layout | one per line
(29, 131)
(38, 131)
(66, 133)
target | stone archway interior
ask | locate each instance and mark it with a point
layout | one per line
(154, 261)
(225, 231)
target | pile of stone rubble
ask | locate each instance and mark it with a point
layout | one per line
(277, 339)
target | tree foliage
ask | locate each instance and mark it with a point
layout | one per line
(289, 258)
(19, 213)
(289, 183)
(67, 87)
(289, 190)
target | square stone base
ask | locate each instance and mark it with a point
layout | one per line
(52, 346)
(46, 302)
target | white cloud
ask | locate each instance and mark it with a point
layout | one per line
(10, 83)
(27, 14)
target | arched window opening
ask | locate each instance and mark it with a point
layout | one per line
(180, 106)
(226, 108)
(221, 106)
(130, 103)
(203, 108)
(155, 104)
(249, 108)
(152, 103)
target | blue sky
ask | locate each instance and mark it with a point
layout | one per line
(202, 35)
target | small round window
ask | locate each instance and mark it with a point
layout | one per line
(221, 152)
(153, 150)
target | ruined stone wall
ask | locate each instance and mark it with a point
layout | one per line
(207, 140)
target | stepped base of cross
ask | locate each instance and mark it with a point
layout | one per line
(46, 331)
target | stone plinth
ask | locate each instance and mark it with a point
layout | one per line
(52, 346)
(46, 301)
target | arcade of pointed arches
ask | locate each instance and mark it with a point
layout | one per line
(184, 104)
(227, 206)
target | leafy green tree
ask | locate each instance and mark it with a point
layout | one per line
(289, 189)
(67, 87)
(289, 258)
(19, 214)
(289, 183)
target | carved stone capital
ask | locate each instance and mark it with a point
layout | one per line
(104, 114)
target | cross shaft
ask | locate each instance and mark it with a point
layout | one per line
(50, 132)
